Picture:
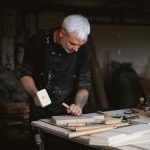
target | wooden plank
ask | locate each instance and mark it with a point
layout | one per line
(91, 127)
(142, 145)
(65, 119)
(53, 129)
(106, 138)
(134, 141)
(76, 134)
(127, 135)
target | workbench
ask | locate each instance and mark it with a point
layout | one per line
(44, 127)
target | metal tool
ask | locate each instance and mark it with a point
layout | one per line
(127, 115)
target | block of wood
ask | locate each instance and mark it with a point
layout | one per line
(112, 120)
(98, 126)
(85, 118)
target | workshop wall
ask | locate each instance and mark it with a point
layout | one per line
(125, 44)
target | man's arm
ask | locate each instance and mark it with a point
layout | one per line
(80, 101)
(84, 81)
(81, 98)
(29, 86)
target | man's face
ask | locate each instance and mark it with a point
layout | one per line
(70, 42)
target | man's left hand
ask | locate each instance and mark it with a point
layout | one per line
(75, 110)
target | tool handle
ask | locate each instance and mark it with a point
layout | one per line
(65, 105)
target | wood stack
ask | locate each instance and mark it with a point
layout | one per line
(13, 112)
(86, 124)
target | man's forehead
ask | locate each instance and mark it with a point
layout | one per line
(74, 40)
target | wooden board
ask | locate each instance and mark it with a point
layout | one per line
(98, 126)
(85, 118)
(127, 135)
(142, 145)
(106, 138)
(144, 138)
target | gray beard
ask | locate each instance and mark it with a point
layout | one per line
(66, 49)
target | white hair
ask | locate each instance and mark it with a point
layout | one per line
(77, 24)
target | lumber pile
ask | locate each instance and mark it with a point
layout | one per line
(87, 124)
(13, 107)
(13, 112)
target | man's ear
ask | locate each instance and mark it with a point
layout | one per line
(62, 32)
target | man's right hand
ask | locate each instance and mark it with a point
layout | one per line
(29, 86)
(36, 100)
(75, 110)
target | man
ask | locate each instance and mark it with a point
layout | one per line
(58, 60)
